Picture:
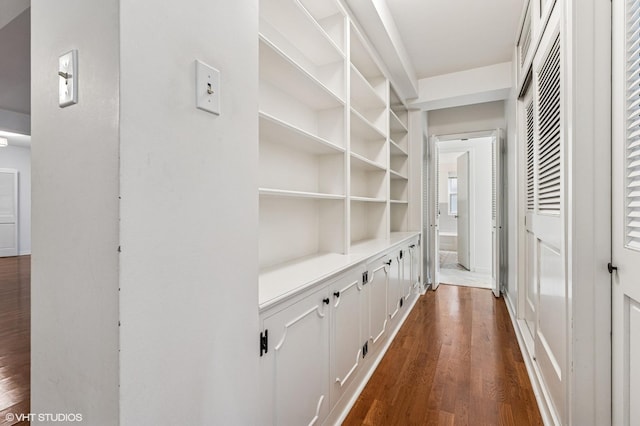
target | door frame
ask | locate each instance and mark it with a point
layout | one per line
(434, 140)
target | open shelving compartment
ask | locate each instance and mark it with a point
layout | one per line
(369, 151)
(398, 163)
(333, 144)
(302, 134)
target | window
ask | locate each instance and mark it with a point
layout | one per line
(453, 196)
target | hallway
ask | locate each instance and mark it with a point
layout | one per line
(15, 321)
(455, 361)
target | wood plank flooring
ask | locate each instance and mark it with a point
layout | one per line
(456, 361)
(15, 328)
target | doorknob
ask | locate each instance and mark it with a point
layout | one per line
(611, 268)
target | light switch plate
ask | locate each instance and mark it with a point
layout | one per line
(68, 79)
(207, 88)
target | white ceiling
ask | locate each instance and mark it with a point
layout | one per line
(444, 36)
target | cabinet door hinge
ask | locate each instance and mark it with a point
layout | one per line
(365, 277)
(264, 342)
(365, 349)
(401, 253)
(401, 301)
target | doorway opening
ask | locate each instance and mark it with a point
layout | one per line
(465, 216)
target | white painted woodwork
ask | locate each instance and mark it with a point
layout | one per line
(348, 304)
(545, 286)
(395, 289)
(435, 213)
(406, 268)
(464, 205)
(415, 265)
(8, 212)
(626, 214)
(333, 136)
(315, 347)
(295, 370)
(378, 291)
(496, 211)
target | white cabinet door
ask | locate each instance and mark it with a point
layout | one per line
(414, 253)
(395, 284)
(377, 290)
(405, 274)
(347, 336)
(295, 368)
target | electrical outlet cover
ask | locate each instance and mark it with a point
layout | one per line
(68, 79)
(207, 88)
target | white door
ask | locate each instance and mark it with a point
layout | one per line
(395, 285)
(405, 271)
(531, 280)
(295, 368)
(435, 214)
(626, 214)
(347, 340)
(464, 253)
(8, 212)
(547, 220)
(496, 194)
(377, 290)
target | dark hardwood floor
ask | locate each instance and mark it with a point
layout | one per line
(455, 361)
(15, 326)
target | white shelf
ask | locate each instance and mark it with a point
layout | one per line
(279, 281)
(368, 199)
(398, 202)
(396, 149)
(397, 126)
(284, 73)
(363, 128)
(282, 281)
(298, 26)
(362, 92)
(279, 131)
(270, 192)
(362, 163)
(396, 175)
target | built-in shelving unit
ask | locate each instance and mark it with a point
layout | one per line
(398, 163)
(333, 140)
(368, 140)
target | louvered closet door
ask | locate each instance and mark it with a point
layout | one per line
(531, 281)
(546, 244)
(626, 213)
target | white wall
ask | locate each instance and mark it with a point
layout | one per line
(19, 158)
(464, 119)
(74, 281)
(189, 215)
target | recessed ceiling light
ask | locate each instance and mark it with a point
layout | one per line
(3, 142)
